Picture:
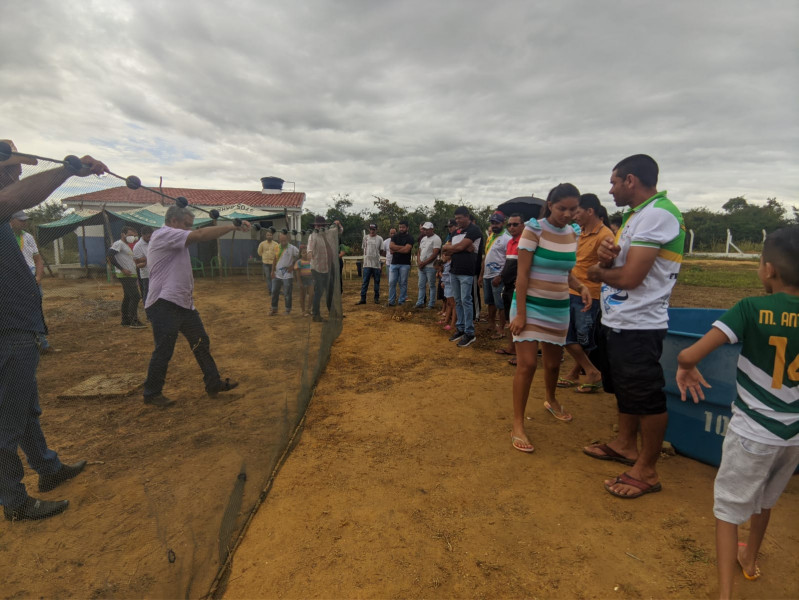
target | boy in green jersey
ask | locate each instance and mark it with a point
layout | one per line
(761, 448)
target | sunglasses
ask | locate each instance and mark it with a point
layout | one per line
(514, 224)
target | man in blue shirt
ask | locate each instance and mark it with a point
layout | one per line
(21, 321)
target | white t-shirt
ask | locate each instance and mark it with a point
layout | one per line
(387, 250)
(426, 246)
(371, 251)
(140, 251)
(124, 258)
(655, 224)
(29, 250)
(285, 261)
(495, 257)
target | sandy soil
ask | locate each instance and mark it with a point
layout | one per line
(145, 517)
(404, 484)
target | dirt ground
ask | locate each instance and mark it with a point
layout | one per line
(145, 517)
(405, 484)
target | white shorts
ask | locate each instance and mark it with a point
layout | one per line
(751, 477)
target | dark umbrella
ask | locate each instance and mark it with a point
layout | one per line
(529, 207)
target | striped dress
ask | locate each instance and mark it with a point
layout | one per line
(554, 254)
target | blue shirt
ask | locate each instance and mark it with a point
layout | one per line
(20, 298)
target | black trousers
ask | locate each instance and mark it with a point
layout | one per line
(130, 300)
(168, 319)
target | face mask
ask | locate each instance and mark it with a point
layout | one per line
(130, 239)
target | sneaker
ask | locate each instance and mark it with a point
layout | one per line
(456, 336)
(318, 319)
(418, 305)
(466, 340)
(377, 300)
(361, 301)
(51, 482)
(273, 312)
(158, 400)
(391, 304)
(137, 325)
(33, 510)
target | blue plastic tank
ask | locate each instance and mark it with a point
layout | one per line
(697, 430)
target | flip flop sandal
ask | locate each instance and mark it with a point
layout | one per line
(625, 479)
(503, 351)
(518, 443)
(609, 454)
(588, 388)
(562, 416)
(512, 361)
(747, 576)
(565, 383)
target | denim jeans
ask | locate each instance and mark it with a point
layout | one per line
(319, 288)
(168, 319)
(19, 417)
(398, 274)
(582, 325)
(374, 273)
(427, 285)
(284, 286)
(268, 276)
(492, 294)
(464, 306)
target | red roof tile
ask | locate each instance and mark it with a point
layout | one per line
(124, 195)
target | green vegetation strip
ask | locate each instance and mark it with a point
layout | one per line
(722, 276)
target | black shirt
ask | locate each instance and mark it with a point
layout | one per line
(401, 239)
(20, 298)
(463, 263)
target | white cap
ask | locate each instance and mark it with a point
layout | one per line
(428, 225)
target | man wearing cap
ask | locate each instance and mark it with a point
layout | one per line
(426, 253)
(21, 320)
(266, 250)
(34, 261)
(321, 262)
(400, 246)
(372, 244)
(464, 247)
(489, 277)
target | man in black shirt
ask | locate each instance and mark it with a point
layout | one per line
(463, 247)
(400, 246)
(21, 320)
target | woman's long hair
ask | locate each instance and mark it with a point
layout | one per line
(591, 201)
(558, 193)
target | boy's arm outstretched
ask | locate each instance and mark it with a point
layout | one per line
(688, 376)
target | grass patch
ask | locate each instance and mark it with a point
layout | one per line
(719, 275)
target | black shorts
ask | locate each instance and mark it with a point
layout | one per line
(632, 371)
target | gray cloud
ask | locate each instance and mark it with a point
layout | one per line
(414, 100)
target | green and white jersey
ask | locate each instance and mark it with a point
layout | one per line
(656, 223)
(766, 408)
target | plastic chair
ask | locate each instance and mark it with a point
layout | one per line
(197, 265)
(218, 264)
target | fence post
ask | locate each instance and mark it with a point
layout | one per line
(729, 240)
(691, 243)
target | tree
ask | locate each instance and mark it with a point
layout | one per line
(735, 204)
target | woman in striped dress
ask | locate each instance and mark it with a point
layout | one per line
(547, 253)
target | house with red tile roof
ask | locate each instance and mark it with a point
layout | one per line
(270, 206)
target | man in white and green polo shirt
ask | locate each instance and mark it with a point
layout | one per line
(638, 271)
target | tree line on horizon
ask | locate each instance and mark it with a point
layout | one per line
(746, 220)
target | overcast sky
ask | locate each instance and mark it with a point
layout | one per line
(412, 100)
